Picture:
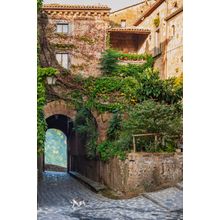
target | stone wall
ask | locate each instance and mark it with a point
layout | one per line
(138, 173)
(143, 172)
(175, 46)
(130, 14)
(169, 61)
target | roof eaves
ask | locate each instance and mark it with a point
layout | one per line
(148, 12)
(74, 7)
(130, 30)
(127, 7)
(174, 14)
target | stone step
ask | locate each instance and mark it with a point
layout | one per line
(92, 184)
(170, 199)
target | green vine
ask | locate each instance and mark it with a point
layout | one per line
(86, 39)
(85, 125)
(42, 73)
(64, 46)
(152, 105)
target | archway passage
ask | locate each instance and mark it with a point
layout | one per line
(63, 125)
(64, 117)
(55, 150)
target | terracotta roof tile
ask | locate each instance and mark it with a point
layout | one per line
(75, 7)
(130, 30)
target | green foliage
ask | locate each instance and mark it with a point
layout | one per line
(153, 105)
(64, 46)
(108, 150)
(152, 87)
(108, 45)
(39, 4)
(128, 56)
(109, 61)
(114, 126)
(153, 117)
(42, 73)
(86, 39)
(85, 125)
(157, 22)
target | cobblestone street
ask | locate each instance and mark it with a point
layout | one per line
(56, 190)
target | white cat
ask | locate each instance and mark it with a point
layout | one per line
(77, 203)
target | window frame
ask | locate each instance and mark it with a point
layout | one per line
(68, 59)
(123, 21)
(173, 31)
(63, 24)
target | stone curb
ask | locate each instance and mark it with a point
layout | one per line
(179, 186)
(95, 186)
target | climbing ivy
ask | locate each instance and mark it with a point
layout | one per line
(39, 4)
(85, 125)
(151, 105)
(42, 73)
(133, 89)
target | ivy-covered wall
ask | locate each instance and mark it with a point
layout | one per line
(85, 41)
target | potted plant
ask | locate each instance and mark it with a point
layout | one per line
(157, 22)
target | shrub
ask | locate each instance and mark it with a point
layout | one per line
(85, 125)
(152, 87)
(108, 150)
(109, 61)
(153, 117)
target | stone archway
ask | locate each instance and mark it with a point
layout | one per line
(61, 115)
(59, 107)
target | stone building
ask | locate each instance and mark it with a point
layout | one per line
(128, 15)
(77, 35)
(161, 31)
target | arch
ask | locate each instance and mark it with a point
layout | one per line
(59, 107)
(61, 115)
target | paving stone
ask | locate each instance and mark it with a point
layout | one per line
(56, 190)
(171, 198)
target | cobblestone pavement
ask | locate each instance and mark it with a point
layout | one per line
(56, 190)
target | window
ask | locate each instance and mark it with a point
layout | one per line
(63, 28)
(173, 31)
(63, 59)
(157, 48)
(123, 23)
